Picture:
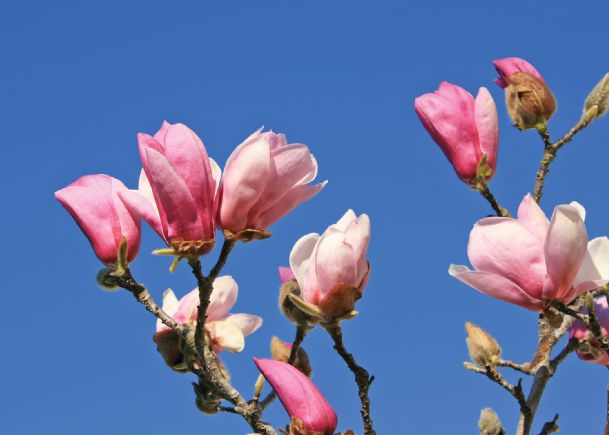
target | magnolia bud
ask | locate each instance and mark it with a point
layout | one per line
(168, 345)
(207, 402)
(489, 423)
(599, 97)
(483, 349)
(287, 307)
(529, 101)
(280, 351)
(106, 280)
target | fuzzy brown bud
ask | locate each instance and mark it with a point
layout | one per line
(296, 427)
(106, 279)
(281, 350)
(483, 349)
(529, 101)
(168, 345)
(287, 307)
(489, 423)
(599, 97)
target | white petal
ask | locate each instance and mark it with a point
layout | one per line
(248, 323)
(170, 306)
(301, 256)
(222, 298)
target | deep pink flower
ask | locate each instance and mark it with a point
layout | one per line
(299, 396)
(464, 128)
(177, 191)
(332, 269)
(227, 331)
(264, 178)
(530, 260)
(94, 204)
(511, 65)
(591, 351)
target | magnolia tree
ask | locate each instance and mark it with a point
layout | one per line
(544, 265)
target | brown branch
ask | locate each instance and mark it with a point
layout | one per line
(482, 187)
(492, 373)
(571, 346)
(550, 154)
(550, 426)
(362, 378)
(522, 368)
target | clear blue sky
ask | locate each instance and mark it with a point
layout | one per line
(78, 80)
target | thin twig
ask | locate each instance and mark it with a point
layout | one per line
(362, 378)
(550, 154)
(564, 353)
(522, 368)
(492, 373)
(482, 187)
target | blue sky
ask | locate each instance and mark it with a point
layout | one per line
(79, 80)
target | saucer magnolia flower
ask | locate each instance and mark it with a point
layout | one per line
(227, 331)
(177, 190)
(530, 260)
(332, 269)
(590, 350)
(303, 402)
(94, 204)
(264, 178)
(529, 101)
(465, 128)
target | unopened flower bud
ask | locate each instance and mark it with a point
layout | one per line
(168, 345)
(106, 280)
(280, 351)
(489, 423)
(287, 307)
(207, 402)
(529, 101)
(599, 97)
(483, 349)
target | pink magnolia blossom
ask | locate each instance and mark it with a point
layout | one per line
(299, 396)
(464, 128)
(177, 189)
(591, 351)
(265, 178)
(94, 204)
(530, 260)
(332, 269)
(227, 331)
(511, 65)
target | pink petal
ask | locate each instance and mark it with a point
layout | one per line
(188, 307)
(89, 201)
(510, 65)
(487, 124)
(289, 166)
(565, 249)
(225, 335)
(141, 206)
(532, 217)
(170, 306)
(291, 200)
(245, 178)
(596, 262)
(495, 286)
(358, 236)
(450, 122)
(334, 263)
(187, 155)
(285, 274)
(301, 261)
(299, 396)
(344, 222)
(175, 203)
(223, 297)
(247, 323)
(505, 247)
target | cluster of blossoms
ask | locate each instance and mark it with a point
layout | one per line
(185, 197)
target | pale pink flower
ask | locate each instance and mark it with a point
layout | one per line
(94, 204)
(530, 260)
(177, 189)
(265, 178)
(512, 65)
(591, 351)
(299, 396)
(332, 269)
(227, 331)
(464, 128)
(285, 274)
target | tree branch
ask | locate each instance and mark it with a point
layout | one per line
(362, 378)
